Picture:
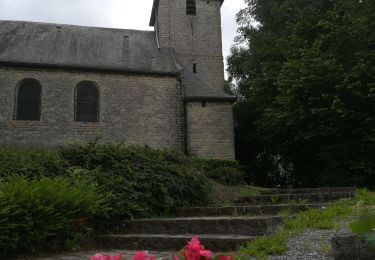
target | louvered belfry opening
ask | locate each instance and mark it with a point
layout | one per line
(29, 100)
(191, 7)
(87, 102)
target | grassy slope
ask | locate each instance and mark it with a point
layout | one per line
(360, 208)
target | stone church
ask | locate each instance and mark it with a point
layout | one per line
(162, 88)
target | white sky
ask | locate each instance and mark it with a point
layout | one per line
(129, 14)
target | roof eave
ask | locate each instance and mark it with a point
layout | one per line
(87, 68)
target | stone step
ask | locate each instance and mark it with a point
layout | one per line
(200, 225)
(293, 198)
(246, 210)
(307, 190)
(216, 242)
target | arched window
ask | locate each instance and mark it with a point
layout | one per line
(191, 8)
(28, 100)
(87, 102)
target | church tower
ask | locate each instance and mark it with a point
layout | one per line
(191, 29)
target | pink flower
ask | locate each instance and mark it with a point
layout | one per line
(176, 258)
(97, 257)
(222, 257)
(195, 250)
(142, 256)
(192, 255)
(105, 257)
(206, 253)
(195, 244)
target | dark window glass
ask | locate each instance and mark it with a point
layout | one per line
(191, 8)
(87, 102)
(29, 100)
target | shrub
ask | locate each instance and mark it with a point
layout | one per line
(142, 181)
(207, 165)
(139, 181)
(227, 175)
(35, 162)
(45, 212)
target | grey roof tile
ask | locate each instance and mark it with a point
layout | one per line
(196, 89)
(84, 47)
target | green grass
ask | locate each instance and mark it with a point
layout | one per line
(364, 225)
(264, 246)
(359, 208)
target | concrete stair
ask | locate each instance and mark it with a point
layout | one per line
(308, 190)
(256, 210)
(220, 228)
(169, 242)
(236, 225)
(322, 197)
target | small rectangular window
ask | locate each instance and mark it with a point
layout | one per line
(191, 8)
(194, 68)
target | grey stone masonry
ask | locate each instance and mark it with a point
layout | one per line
(197, 43)
(196, 39)
(210, 129)
(135, 109)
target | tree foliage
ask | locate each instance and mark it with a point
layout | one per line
(306, 77)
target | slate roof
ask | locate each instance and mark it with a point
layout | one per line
(83, 47)
(196, 89)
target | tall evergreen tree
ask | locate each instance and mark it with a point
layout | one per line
(306, 76)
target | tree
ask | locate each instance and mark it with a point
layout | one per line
(306, 73)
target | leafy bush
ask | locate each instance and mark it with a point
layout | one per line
(207, 165)
(45, 212)
(141, 181)
(227, 176)
(59, 193)
(36, 162)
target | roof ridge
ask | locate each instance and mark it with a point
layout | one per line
(73, 25)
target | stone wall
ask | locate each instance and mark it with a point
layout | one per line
(136, 109)
(195, 39)
(210, 129)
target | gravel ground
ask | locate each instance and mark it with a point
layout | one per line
(312, 245)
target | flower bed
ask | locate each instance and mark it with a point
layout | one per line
(194, 250)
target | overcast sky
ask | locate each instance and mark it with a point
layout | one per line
(129, 14)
